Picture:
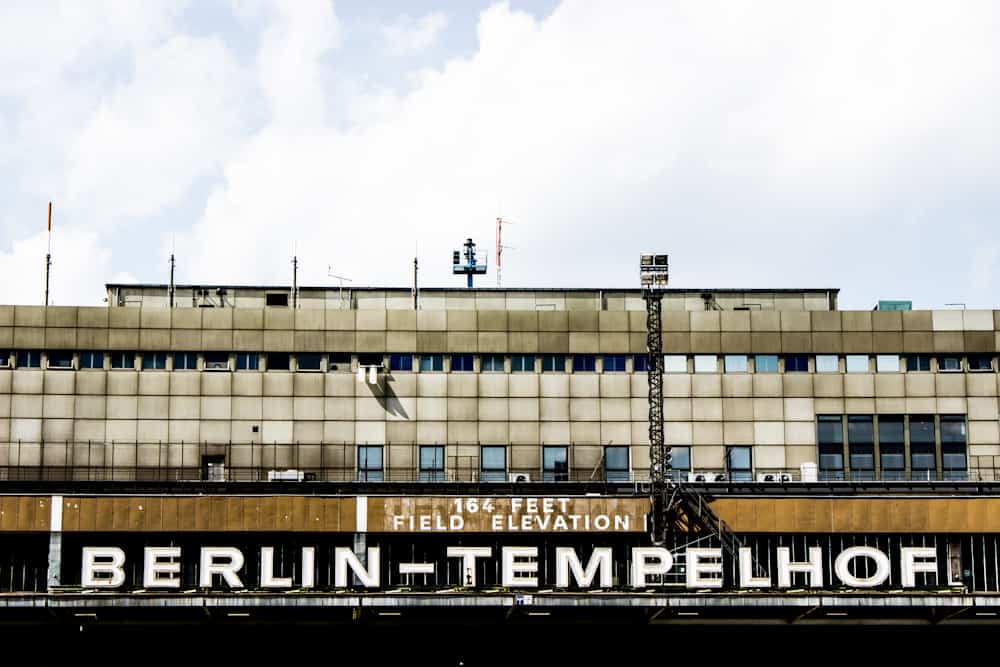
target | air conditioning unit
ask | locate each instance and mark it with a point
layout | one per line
(779, 477)
(520, 477)
(704, 477)
(285, 475)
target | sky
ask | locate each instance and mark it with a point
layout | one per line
(780, 144)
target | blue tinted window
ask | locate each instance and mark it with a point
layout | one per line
(614, 363)
(616, 464)
(431, 463)
(554, 464)
(918, 362)
(125, 360)
(370, 463)
(400, 362)
(640, 363)
(493, 462)
(29, 359)
(154, 361)
(738, 463)
(461, 363)
(796, 363)
(185, 361)
(431, 362)
(522, 363)
(91, 359)
(766, 363)
(247, 361)
(491, 363)
(554, 363)
(583, 362)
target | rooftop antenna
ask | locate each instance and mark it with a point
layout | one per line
(500, 246)
(471, 267)
(295, 276)
(329, 272)
(415, 288)
(172, 266)
(48, 257)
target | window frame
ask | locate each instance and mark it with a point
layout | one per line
(739, 473)
(428, 365)
(853, 363)
(799, 363)
(554, 473)
(769, 358)
(519, 363)
(706, 363)
(467, 363)
(122, 356)
(435, 471)
(91, 356)
(584, 363)
(186, 356)
(823, 363)
(154, 361)
(726, 363)
(613, 367)
(247, 361)
(675, 363)
(554, 363)
(31, 358)
(488, 363)
(618, 472)
(492, 473)
(367, 473)
(887, 367)
(61, 356)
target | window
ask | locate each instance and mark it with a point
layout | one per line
(4, 358)
(493, 463)
(29, 359)
(827, 363)
(949, 363)
(154, 361)
(61, 359)
(796, 363)
(887, 363)
(680, 463)
(553, 363)
(765, 363)
(616, 463)
(400, 362)
(247, 361)
(736, 363)
(918, 362)
(922, 463)
(738, 464)
(890, 446)
(491, 363)
(857, 363)
(706, 363)
(371, 359)
(185, 361)
(675, 363)
(370, 463)
(953, 438)
(583, 362)
(276, 299)
(92, 359)
(461, 363)
(308, 361)
(830, 442)
(276, 361)
(339, 361)
(861, 447)
(217, 361)
(123, 360)
(614, 363)
(980, 362)
(555, 466)
(431, 362)
(522, 363)
(431, 463)
(640, 363)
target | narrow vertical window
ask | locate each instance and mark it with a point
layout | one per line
(738, 464)
(370, 463)
(555, 465)
(431, 463)
(891, 447)
(616, 463)
(830, 442)
(493, 463)
(861, 447)
(954, 464)
(922, 455)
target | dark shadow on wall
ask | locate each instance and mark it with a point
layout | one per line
(386, 397)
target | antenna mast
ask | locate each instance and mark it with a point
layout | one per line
(48, 257)
(295, 281)
(415, 288)
(172, 265)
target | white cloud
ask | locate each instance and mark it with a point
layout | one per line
(408, 37)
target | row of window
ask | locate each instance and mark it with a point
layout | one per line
(498, 363)
(889, 446)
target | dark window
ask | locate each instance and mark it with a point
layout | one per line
(60, 359)
(216, 361)
(861, 447)
(765, 363)
(796, 363)
(29, 359)
(247, 361)
(616, 463)
(154, 361)
(555, 464)
(553, 363)
(278, 361)
(493, 463)
(431, 463)
(738, 464)
(91, 359)
(890, 445)
(953, 455)
(640, 363)
(461, 363)
(370, 463)
(213, 468)
(185, 361)
(309, 361)
(614, 363)
(522, 363)
(582, 362)
(371, 359)
(491, 363)
(949, 363)
(431, 362)
(980, 362)
(400, 362)
(124, 360)
(339, 361)
(830, 442)
(922, 440)
(276, 299)
(680, 463)
(4, 358)
(918, 362)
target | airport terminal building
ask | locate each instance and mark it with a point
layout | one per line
(375, 455)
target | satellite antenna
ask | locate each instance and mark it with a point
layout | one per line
(471, 267)
(329, 272)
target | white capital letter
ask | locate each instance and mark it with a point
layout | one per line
(232, 561)
(161, 565)
(911, 565)
(512, 570)
(267, 578)
(469, 556)
(662, 561)
(747, 580)
(102, 567)
(567, 560)
(344, 558)
(840, 566)
(704, 561)
(813, 567)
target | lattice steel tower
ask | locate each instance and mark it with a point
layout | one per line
(653, 276)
